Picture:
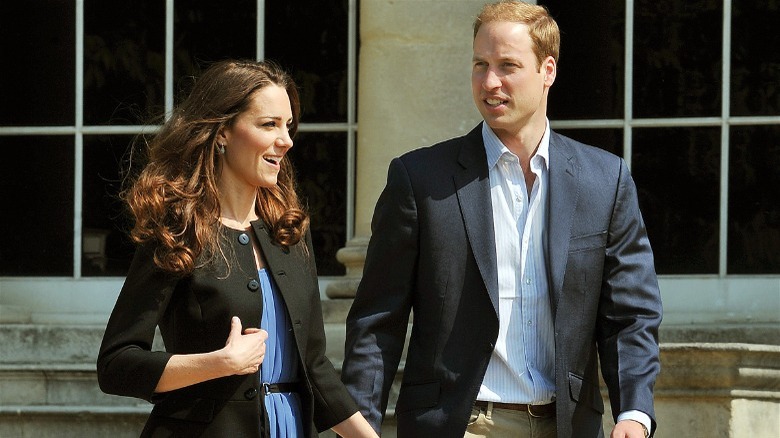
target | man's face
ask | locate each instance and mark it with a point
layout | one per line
(508, 85)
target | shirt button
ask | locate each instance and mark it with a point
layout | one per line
(253, 285)
(527, 281)
(243, 239)
(529, 322)
(250, 393)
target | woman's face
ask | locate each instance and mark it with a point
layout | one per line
(257, 140)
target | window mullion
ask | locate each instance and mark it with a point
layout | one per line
(628, 85)
(78, 143)
(260, 35)
(351, 115)
(168, 57)
(724, 140)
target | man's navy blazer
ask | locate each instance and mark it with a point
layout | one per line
(432, 254)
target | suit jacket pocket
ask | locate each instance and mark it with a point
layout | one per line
(588, 241)
(191, 409)
(583, 391)
(418, 395)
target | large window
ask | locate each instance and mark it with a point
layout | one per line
(82, 79)
(689, 94)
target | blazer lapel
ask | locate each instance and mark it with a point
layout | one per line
(562, 201)
(472, 184)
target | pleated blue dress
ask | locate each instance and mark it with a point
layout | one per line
(280, 364)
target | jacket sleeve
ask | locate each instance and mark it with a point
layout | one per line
(126, 364)
(378, 319)
(331, 402)
(630, 311)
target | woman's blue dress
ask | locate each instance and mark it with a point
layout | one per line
(280, 364)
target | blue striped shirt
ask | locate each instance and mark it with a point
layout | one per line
(522, 366)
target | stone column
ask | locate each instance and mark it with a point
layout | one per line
(414, 90)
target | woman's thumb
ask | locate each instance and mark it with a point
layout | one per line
(235, 327)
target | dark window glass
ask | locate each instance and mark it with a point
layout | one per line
(320, 160)
(106, 249)
(677, 173)
(754, 200)
(206, 31)
(124, 61)
(755, 60)
(37, 48)
(37, 193)
(316, 56)
(677, 58)
(590, 79)
(610, 140)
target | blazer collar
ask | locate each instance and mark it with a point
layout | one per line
(472, 185)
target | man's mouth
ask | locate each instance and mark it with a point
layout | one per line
(495, 102)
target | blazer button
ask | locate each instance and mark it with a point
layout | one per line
(250, 393)
(243, 239)
(253, 285)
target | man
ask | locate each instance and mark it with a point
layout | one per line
(525, 260)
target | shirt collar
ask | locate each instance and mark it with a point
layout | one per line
(494, 148)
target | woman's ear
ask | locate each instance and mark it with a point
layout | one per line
(222, 136)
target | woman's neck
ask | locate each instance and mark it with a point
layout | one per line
(237, 208)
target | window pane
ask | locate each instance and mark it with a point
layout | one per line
(206, 31)
(106, 249)
(755, 60)
(754, 200)
(677, 173)
(37, 46)
(37, 194)
(320, 160)
(124, 61)
(677, 58)
(608, 139)
(590, 79)
(317, 56)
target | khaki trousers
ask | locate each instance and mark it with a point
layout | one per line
(490, 422)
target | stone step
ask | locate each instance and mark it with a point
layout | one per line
(92, 422)
(76, 385)
(55, 385)
(72, 421)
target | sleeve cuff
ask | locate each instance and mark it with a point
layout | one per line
(637, 416)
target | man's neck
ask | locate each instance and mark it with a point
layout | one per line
(524, 142)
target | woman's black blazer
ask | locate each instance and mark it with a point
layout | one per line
(194, 314)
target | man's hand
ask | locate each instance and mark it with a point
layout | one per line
(628, 429)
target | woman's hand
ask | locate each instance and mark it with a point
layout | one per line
(355, 426)
(244, 351)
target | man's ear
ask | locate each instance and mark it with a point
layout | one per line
(550, 69)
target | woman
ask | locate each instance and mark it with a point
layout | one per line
(224, 244)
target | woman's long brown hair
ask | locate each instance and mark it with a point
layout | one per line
(174, 200)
